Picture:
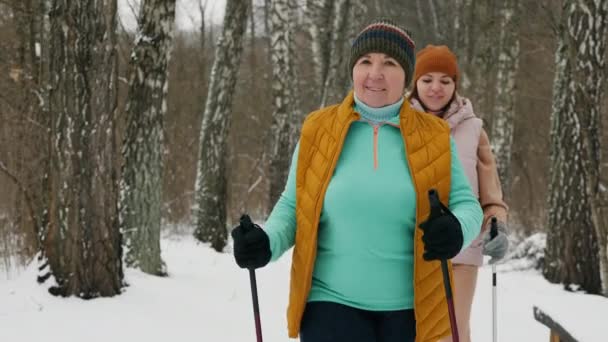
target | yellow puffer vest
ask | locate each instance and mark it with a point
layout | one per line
(428, 151)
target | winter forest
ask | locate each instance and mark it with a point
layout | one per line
(111, 136)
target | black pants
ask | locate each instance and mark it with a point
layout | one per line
(333, 322)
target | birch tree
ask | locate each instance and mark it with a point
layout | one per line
(141, 182)
(318, 18)
(336, 54)
(83, 243)
(591, 95)
(284, 100)
(503, 119)
(211, 176)
(573, 225)
(357, 14)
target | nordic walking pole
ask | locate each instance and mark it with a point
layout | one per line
(248, 225)
(450, 299)
(436, 210)
(493, 233)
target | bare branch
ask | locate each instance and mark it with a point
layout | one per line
(26, 194)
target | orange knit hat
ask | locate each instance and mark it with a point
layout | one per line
(436, 58)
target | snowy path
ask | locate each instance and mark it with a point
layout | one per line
(207, 298)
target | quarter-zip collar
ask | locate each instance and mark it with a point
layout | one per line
(377, 117)
(378, 114)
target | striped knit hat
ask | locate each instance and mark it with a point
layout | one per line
(385, 36)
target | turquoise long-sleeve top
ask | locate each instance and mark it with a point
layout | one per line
(365, 246)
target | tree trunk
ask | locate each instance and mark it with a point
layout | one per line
(464, 27)
(267, 5)
(212, 176)
(591, 95)
(45, 118)
(503, 119)
(141, 183)
(83, 242)
(436, 28)
(336, 54)
(284, 85)
(572, 245)
(357, 15)
(318, 16)
(481, 60)
(252, 42)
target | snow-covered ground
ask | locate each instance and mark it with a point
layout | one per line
(207, 298)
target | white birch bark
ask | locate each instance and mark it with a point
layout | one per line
(330, 89)
(211, 175)
(503, 120)
(141, 183)
(283, 85)
(318, 18)
(572, 256)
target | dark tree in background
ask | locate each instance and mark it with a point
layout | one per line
(142, 172)
(82, 243)
(572, 243)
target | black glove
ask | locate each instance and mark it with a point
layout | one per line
(442, 232)
(251, 244)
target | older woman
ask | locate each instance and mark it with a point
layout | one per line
(355, 195)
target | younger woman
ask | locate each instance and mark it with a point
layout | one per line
(435, 82)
